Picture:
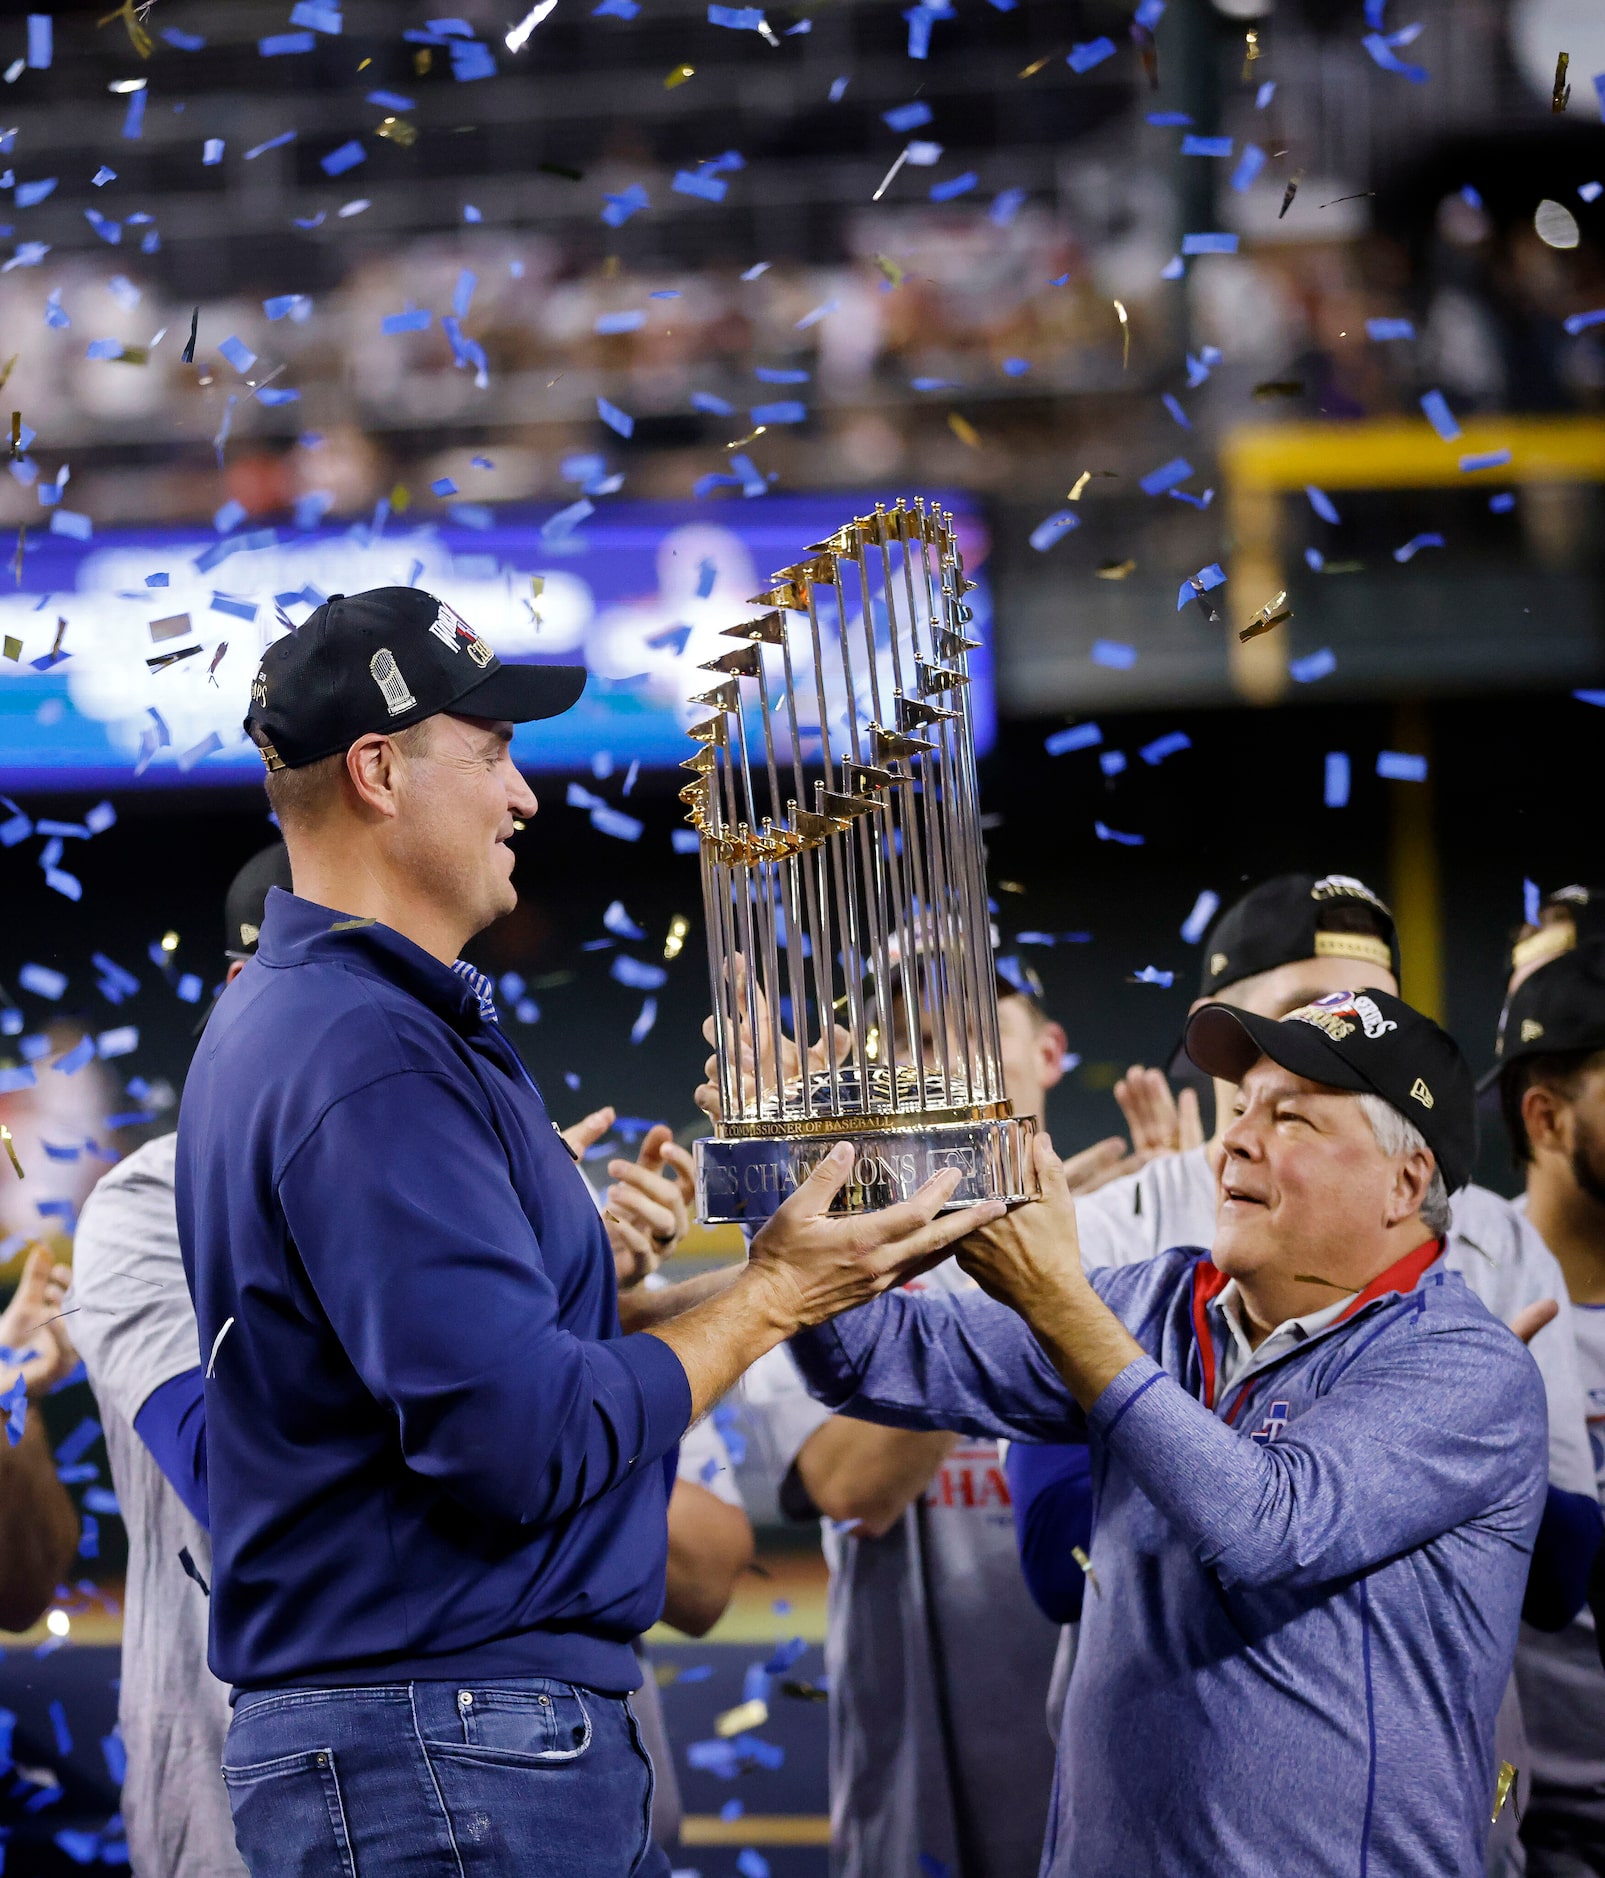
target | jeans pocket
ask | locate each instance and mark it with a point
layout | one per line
(544, 1723)
(289, 1818)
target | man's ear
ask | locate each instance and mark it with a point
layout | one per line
(1546, 1115)
(1051, 1044)
(235, 967)
(1410, 1186)
(371, 771)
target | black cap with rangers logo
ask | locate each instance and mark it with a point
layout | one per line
(384, 660)
(1293, 917)
(1362, 1040)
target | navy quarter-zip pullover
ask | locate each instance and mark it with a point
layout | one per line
(430, 1450)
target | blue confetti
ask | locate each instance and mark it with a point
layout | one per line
(1322, 503)
(320, 14)
(696, 183)
(1580, 322)
(622, 206)
(1382, 52)
(907, 117)
(1046, 533)
(238, 354)
(40, 42)
(1318, 665)
(1414, 546)
(1169, 745)
(1083, 57)
(1169, 120)
(1204, 581)
(785, 411)
(1209, 244)
(1167, 476)
(1531, 906)
(471, 60)
(1206, 146)
(58, 1722)
(610, 324)
(636, 973)
(1112, 763)
(752, 1864)
(614, 418)
(134, 118)
(14, 1407)
(610, 821)
(1439, 416)
(1197, 921)
(1153, 975)
(1335, 791)
(1484, 460)
(412, 319)
(1173, 406)
(738, 19)
(1401, 766)
(347, 157)
(1386, 329)
(1105, 833)
(28, 194)
(280, 45)
(1077, 737)
(1248, 168)
(1582, 697)
(955, 186)
(1502, 503)
(1114, 655)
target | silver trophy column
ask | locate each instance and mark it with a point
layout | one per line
(844, 888)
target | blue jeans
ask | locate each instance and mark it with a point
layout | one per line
(518, 1779)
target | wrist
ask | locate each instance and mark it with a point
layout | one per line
(772, 1292)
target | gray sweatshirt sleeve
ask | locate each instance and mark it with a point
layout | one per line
(965, 1363)
(1423, 1431)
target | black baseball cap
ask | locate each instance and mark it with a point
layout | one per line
(246, 900)
(1279, 922)
(1364, 1040)
(1576, 915)
(1560, 1008)
(384, 660)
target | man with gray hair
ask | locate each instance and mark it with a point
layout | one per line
(1301, 1443)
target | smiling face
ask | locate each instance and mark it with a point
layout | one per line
(1305, 1186)
(458, 795)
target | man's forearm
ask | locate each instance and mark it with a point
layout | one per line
(864, 1475)
(1083, 1339)
(719, 1339)
(640, 1309)
(38, 1527)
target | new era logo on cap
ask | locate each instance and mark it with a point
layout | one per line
(382, 661)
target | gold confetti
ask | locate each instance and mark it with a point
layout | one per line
(364, 65)
(537, 584)
(131, 355)
(804, 1691)
(1125, 332)
(751, 437)
(133, 18)
(398, 131)
(1036, 65)
(1557, 103)
(1271, 614)
(1506, 1784)
(1085, 1563)
(1251, 52)
(741, 1719)
(22, 543)
(679, 926)
(890, 269)
(1114, 570)
(217, 659)
(13, 648)
(678, 76)
(1280, 388)
(964, 430)
(1080, 483)
(401, 498)
(169, 942)
(11, 1149)
(350, 925)
(518, 826)
(1010, 886)
(422, 59)
(16, 435)
(5, 371)
(61, 633)
(1289, 193)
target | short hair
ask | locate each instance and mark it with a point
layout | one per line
(1558, 1070)
(1397, 1134)
(300, 798)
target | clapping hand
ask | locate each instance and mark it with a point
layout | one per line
(31, 1329)
(647, 1209)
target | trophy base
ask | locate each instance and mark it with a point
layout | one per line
(743, 1182)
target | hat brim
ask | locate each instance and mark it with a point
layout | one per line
(1226, 1042)
(519, 694)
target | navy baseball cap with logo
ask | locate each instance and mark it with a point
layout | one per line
(246, 899)
(385, 660)
(1570, 916)
(1288, 919)
(1363, 1040)
(1558, 1010)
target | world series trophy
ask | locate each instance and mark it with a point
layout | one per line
(844, 887)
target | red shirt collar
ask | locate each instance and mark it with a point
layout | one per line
(1209, 1281)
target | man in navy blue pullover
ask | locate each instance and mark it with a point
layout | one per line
(437, 1470)
(1318, 1465)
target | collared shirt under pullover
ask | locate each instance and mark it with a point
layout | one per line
(430, 1450)
(1305, 1588)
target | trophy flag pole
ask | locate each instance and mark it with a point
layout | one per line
(844, 886)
